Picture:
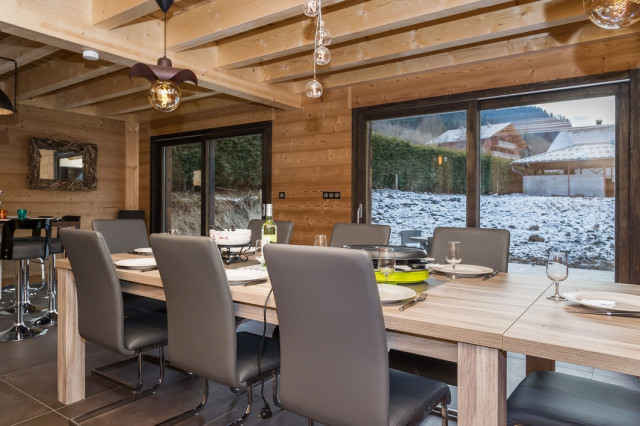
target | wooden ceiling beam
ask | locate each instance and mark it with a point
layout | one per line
(224, 18)
(109, 14)
(66, 24)
(509, 22)
(23, 51)
(99, 90)
(572, 37)
(59, 74)
(137, 103)
(353, 21)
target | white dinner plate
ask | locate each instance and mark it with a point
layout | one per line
(142, 263)
(394, 293)
(241, 276)
(143, 250)
(606, 300)
(463, 270)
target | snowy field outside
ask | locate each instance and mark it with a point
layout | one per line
(582, 226)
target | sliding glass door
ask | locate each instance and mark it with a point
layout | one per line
(218, 177)
(545, 165)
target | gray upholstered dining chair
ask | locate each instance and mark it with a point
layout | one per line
(344, 234)
(557, 399)
(334, 345)
(122, 235)
(478, 246)
(202, 325)
(285, 229)
(101, 318)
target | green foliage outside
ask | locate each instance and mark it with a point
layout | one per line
(418, 170)
(238, 163)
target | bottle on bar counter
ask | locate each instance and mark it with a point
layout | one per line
(269, 228)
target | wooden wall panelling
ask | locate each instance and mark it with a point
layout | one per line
(312, 154)
(31, 121)
(132, 165)
(532, 67)
(311, 146)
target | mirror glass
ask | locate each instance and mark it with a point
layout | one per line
(62, 165)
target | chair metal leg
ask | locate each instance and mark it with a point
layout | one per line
(444, 412)
(51, 317)
(247, 410)
(19, 330)
(276, 389)
(100, 372)
(137, 395)
(193, 411)
(309, 422)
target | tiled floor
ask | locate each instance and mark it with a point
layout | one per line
(28, 390)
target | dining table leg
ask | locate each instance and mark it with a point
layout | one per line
(71, 370)
(482, 385)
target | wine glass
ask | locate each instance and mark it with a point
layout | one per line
(386, 262)
(557, 270)
(320, 241)
(453, 256)
(259, 250)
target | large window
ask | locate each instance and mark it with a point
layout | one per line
(216, 177)
(416, 162)
(545, 165)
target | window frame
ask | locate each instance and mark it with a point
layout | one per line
(624, 86)
(205, 138)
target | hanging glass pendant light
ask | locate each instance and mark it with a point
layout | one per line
(612, 14)
(321, 55)
(313, 89)
(164, 94)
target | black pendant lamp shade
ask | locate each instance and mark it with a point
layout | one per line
(6, 107)
(164, 93)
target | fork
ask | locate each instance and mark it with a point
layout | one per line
(410, 303)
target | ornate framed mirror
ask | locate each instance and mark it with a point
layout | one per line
(62, 165)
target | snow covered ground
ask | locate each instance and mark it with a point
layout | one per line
(583, 226)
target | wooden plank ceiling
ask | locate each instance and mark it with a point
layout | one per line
(260, 52)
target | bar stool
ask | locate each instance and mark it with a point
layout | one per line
(56, 247)
(21, 250)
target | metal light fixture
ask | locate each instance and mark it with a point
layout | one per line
(321, 55)
(164, 93)
(6, 107)
(612, 14)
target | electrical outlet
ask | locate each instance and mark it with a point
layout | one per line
(331, 195)
(281, 195)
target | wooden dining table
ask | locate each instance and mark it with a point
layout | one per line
(470, 321)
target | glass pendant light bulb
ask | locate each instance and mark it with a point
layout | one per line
(313, 89)
(612, 14)
(322, 55)
(164, 96)
(310, 8)
(323, 37)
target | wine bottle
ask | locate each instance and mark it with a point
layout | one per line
(269, 228)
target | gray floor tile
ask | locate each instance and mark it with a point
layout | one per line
(16, 406)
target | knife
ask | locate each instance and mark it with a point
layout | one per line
(491, 275)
